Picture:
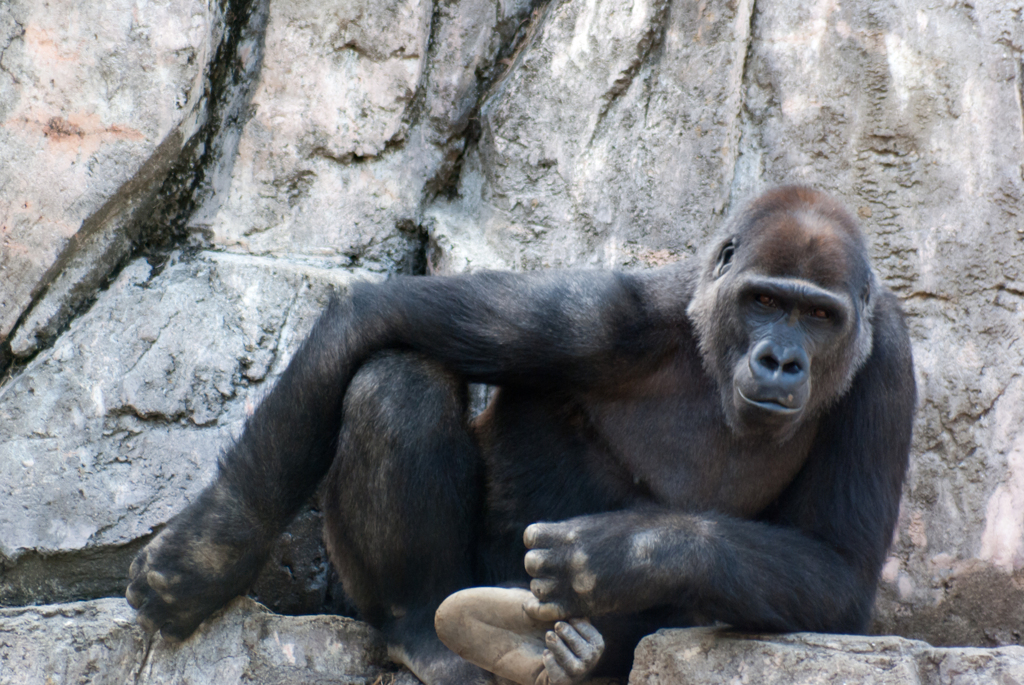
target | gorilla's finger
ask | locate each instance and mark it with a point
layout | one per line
(543, 588)
(174, 632)
(555, 673)
(588, 632)
(537, 562)
(135, 595)
(584, 640)
(575, 653)
(148, 625)
(153, 615)
(540, 535)
(545, 611)
(136, 568)
(571, 664)
(576, 643)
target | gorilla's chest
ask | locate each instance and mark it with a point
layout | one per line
(669, 434)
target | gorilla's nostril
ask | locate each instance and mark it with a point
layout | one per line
(769, 363)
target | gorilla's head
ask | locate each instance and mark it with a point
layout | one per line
(783, 310)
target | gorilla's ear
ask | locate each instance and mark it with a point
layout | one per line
(867, 294)
(724, 260)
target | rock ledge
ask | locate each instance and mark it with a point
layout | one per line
(709, 657)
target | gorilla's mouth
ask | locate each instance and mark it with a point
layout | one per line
(772, 405)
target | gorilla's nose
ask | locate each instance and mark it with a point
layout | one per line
(779, 369)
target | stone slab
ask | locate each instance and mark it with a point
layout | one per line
(711, 657)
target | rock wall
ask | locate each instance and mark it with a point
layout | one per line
(184, 182)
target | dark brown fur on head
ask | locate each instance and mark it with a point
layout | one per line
(803, 233)
(794, 233)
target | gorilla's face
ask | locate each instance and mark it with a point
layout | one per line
(783, 314)
(790, 325)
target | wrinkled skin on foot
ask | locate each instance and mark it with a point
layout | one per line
(196, 565)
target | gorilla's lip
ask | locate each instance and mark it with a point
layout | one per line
(774, 406)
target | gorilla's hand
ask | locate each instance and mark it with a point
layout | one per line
(580, 567)
(205, 557)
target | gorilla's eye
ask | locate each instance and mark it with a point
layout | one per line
(819, 313)
(766, 301)
(725, 258)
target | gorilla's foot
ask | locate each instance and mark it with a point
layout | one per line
(490, 627)
(197, 564)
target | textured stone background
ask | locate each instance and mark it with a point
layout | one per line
(184, 181)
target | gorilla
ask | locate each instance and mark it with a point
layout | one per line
(719, 441)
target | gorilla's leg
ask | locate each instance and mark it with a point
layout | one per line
(402, 505)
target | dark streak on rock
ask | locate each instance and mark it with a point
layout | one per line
(516, 36)
(149, 213)
(644, 48)
(47, 578)
(98, 249)
(231, 81)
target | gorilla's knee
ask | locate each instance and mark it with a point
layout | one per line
(404, 433)
(398, 393)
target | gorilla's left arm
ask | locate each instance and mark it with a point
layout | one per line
(578, 329)
(810, 562)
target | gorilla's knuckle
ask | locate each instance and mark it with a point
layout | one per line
(543, 588)
(537, 534)
(579, 561)
(135, 596)
(159, 581)
(535, 562)
(575, 668)
(584, 582)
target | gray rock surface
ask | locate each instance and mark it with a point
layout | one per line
(357, 117)
(707, 657)
(99, 642)
(184, 183)
(96, 103)
(335, 86)
(105, 435)
(610, 142)
(70, 643)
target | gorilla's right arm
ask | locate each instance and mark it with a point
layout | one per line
(565, 329)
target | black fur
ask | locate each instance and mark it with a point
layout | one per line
(714, 441)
